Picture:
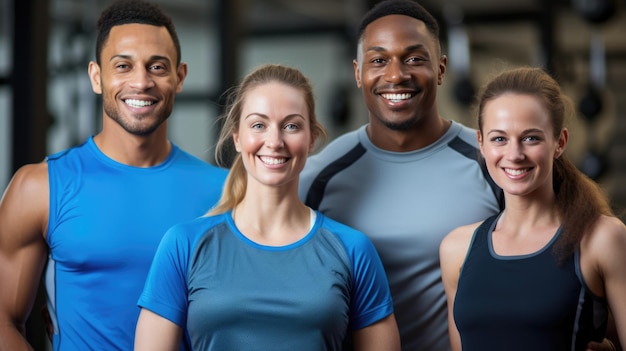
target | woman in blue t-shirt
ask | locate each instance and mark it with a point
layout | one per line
(262, 271)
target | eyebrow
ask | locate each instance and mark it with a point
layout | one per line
(408, 48)
(129, 57)
(527, 131)
(262, 115)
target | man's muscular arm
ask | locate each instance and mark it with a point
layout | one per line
(23, 250)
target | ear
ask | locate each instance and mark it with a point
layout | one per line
(479, 137)
(357, 73)
(181, 73)
(94, 77)
(236, 142)
(561, 143)
(443, 63)
(312, 144)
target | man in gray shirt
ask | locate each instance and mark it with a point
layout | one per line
(409, 176)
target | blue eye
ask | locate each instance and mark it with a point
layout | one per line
(531, 138)
(292, 127)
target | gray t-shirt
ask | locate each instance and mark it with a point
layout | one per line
(405, 203)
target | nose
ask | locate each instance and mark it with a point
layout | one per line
(395, 72)
(515, 152)
(141, 79)
(274, 138)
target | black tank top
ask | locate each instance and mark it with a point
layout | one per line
(527, 302)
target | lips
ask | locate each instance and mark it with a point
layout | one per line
(136, 103)
(397, 97)
(516, 171)
(273, 160)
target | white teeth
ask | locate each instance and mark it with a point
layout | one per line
(515, 172)
(272, 160)
(138, 103)
(396, 97)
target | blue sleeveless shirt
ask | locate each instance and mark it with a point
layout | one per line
(105, 222)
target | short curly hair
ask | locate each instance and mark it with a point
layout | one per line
(399, 7)
(133, 11)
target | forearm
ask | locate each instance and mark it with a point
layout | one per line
(11, 339)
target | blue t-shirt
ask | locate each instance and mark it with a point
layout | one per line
(229, 293)
(106, 220)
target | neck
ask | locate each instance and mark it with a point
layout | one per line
(529, 211)
(135, 150)
(416, 137)
(272, 220)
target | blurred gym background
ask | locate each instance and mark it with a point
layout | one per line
(46, 102)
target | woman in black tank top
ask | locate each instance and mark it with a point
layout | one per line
(544, 273)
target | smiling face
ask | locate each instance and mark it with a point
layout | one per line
(398, 69)
(518, 144)
(138, 77)
(274, 134)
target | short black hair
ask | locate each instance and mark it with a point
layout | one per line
(399, 7)
(129, 12)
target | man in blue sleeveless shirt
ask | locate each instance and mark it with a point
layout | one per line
(92, 216)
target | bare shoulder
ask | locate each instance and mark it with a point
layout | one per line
(608, 233)
(460, 237)
(452, 253)
(30, 181)
(612, 224)
(24, 205)
(605, 244)
(455, 245)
